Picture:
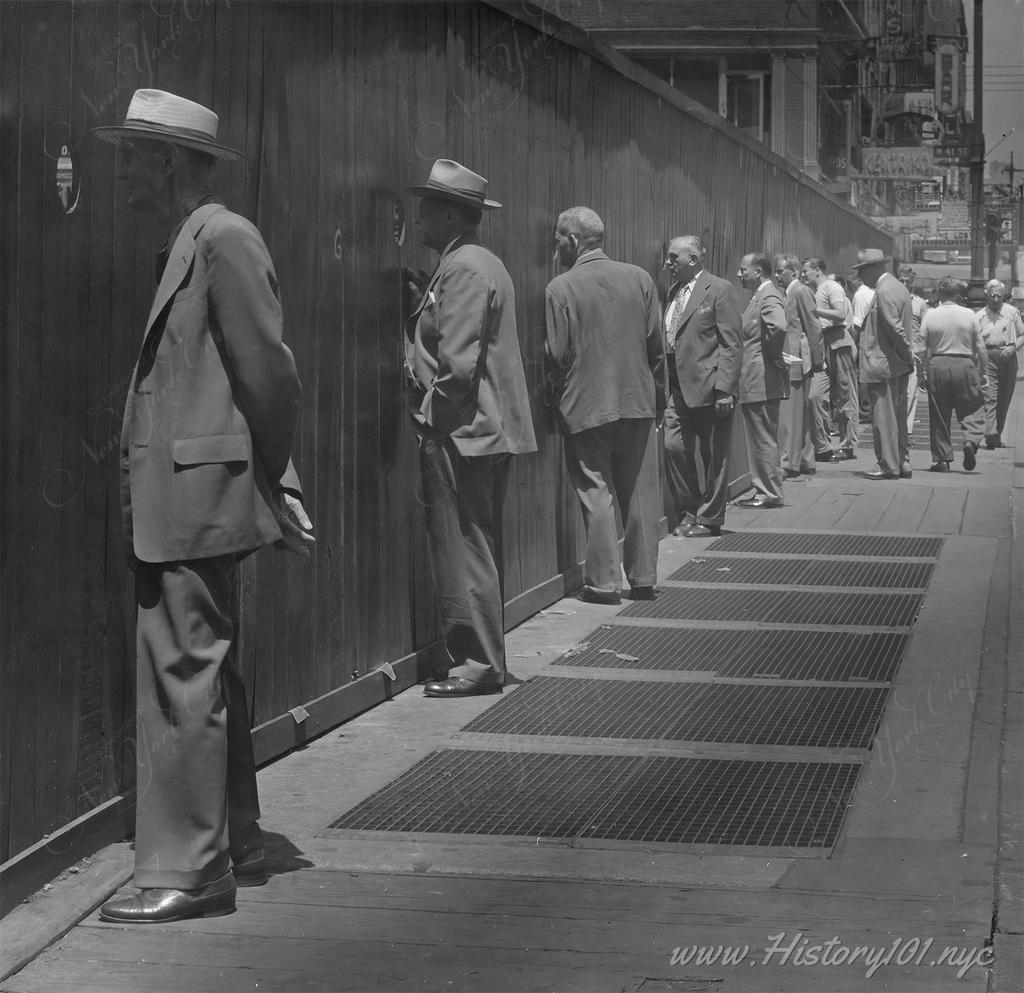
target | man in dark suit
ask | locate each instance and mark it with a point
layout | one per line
(604, 337)
(764, 379)
(703, 334)
(206, 479)
(472, 411)
(805, 356)
(886, 358)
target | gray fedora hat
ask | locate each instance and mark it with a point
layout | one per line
(450, 181)
(870, 256)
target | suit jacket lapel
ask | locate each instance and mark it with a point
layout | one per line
(698, 293)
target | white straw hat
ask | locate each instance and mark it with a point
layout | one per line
(164, 116)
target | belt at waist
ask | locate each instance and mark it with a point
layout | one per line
(948, 355)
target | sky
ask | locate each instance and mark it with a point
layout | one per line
(1003, 83)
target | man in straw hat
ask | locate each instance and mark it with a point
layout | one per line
(886, 359)
(472, 411)
(206, 479)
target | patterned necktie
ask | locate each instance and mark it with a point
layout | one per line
(682, 299)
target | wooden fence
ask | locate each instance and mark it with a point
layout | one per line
(338, 106)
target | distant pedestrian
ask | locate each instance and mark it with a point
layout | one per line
(206, 479)
(885, 363)
(955, 367)
(604, 337)
(471, 410)
(764, 379)
(704, 338)
(804, 355)
(1002, 330)
(831, 307)
(919, 307)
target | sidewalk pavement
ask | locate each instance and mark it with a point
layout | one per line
(929, 857)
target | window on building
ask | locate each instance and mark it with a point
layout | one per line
(742, 101)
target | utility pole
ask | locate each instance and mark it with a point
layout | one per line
(976, 285)
(1016, 235)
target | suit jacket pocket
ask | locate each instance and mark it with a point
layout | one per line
(211, 449)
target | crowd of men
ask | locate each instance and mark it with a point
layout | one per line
(206, 467)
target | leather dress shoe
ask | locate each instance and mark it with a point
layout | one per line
(684, 522)
(460, 686)
(879, 474)
(159, 905)
(939, 467)
(758, 503)
(808, 471)
(702, 531)
(791, 473)
(587, 594)
(846, 454)
(993, 442)
(906, 472)
(969, 460)
(252, 870)
(829, 457)
(643, 593)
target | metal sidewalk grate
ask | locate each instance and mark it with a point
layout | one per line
(625, 798)
(875, 545)
(805, 572)
(786, 607)
(816, 716)
(839, 656)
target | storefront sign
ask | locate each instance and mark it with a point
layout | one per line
(897, 163)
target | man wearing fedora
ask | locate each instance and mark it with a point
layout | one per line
(206, 479)
(604, 338)
(886, 358)
(471, 409)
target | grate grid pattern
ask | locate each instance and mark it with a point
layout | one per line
(773, 606)
(655, 799)
(805, 572)
(814, 716)
(875, 545)
(839, 656)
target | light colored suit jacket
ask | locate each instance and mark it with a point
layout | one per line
(709, 344)
(765, 373)
(466, 355)
(887, 337)
(214, 400)
(803, 330)
(604, 334)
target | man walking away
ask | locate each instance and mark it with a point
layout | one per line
(955, 367)
(604, 338)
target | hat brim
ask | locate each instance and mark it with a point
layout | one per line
(440, 194)
(861, 265)
(118, 133)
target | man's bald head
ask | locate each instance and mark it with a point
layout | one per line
(577, 230)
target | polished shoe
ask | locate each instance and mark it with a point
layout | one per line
(906, 472)
(993, 442)
(643, 593)
(459, 686)
(969, 460)
(807, 472)
(939, 467)
(587, 594)
(829, 457)
(791, 473)
(684, 522)
(252, 870)
(846, 454)
(758, 503)
(156, 906)
(878, 474)
(702, 531)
